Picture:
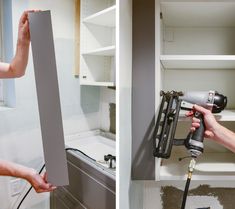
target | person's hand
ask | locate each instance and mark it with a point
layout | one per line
(39, 182)
(18, 65)
(23, 29)
(210, 123)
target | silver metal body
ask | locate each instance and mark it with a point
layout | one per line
(202, 98)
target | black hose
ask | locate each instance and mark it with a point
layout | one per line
(77, 150)
(186, 192)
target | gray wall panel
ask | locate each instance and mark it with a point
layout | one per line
(48, 97)
(143, 90)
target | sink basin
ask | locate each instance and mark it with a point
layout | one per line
(95, 146)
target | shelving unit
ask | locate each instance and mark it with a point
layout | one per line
(196, 51)
(98, 44)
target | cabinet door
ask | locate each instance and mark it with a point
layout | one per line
(88, 184)
(62, 199)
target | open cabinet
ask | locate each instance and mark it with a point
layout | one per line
(98, 45)
(91, 154)
(195, 50)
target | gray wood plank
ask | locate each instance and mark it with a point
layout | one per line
(143, 90)
(48, 97)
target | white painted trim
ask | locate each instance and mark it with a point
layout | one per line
(158, 74)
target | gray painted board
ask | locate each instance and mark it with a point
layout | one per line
(48, 97)
(143, 90)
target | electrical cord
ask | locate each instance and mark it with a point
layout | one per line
(190, 172)
(67, 149)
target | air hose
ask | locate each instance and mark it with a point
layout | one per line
(190, 172)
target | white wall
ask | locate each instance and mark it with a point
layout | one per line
(107, 96)
(20, 138)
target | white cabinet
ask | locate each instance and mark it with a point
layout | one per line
(97, 42)
(195, 50)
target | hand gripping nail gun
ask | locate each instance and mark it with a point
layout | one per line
(168, 115)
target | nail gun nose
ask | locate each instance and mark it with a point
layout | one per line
(204, 208)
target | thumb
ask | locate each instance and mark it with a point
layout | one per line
(44, 176)
(25, 26)
(200, 109)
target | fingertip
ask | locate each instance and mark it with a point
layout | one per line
(190, 113)
(196, 125)
(195, 120)
(51, 189)
(187, 113)
(192, 129)
(47, 186)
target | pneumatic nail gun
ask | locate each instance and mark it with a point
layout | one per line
(171, 104)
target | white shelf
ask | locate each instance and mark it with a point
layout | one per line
(226, 115)
(198, 61)
(105, 17)
(97, 83)
(198, 14)
(210, 166)
(105, 51)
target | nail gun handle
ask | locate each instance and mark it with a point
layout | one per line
(198, 134)
(197, 137)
